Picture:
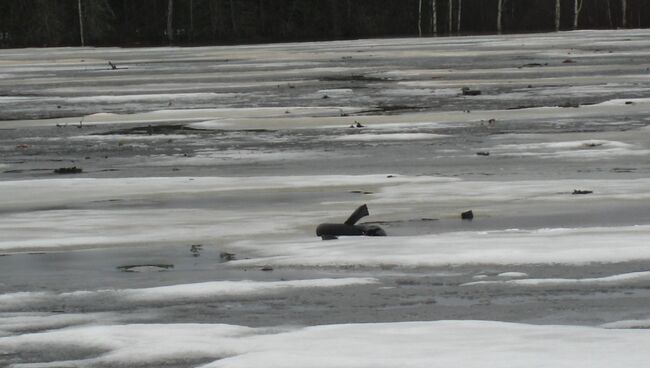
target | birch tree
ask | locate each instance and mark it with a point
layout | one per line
(451, 16)
(577, 7)
(233, 20)
(95, 20)
(420, 18)
(557, 15)
(434, 17)
(499, 16)
(170, 14)
(609, 14)
(191, 20)
(623, 13)
(459, 11)
(81, 24)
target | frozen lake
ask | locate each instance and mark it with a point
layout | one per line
(188, 239)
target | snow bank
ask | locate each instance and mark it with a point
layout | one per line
(563, 246)
(614, 280)
(587, 149)
(513, 274)
(639, 324)
(409, 344)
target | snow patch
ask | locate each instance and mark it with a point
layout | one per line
(615, 280)
(407, 344)
(366, 137)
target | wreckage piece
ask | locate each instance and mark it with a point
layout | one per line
(329, 231)
(357, 215)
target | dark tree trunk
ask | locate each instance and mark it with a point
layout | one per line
(170, 16)
(458, 18)
(499, 16)
(451, 16)
(233, 19)
(558, 15)
(420, 18)
(81, 24)
(434, 17)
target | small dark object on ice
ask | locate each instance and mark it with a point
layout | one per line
(484, 153)
(267, 268)
(226, 257)
(470, 92)
(467, 215)
(569, 104)
(145, 267)
(325, 97)
(629, 102)
(357, 125)
(577, 191)
(68, 170)
(113, 66)
(569, 61)
(530, 65)
(196, 249)
(329, 231)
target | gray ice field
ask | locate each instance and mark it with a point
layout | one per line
(188, 238)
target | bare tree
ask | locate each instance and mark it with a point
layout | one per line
(609, 14)
(191, 20)
(557, 15)
(170, 15)
(420, 18)
(499, 16)
(577, 7)
(623, 13)
(451, 16)
(459, 11)
(233, 20)
(81, 24)
(214, 17)
(434, 16)
(95, 19)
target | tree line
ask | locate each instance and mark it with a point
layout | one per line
(28, 23)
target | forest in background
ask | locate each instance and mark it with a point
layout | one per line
(47, 23)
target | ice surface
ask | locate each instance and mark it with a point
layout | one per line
(412, 344)
(388, 137)
(184, 293)
(270, 158)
